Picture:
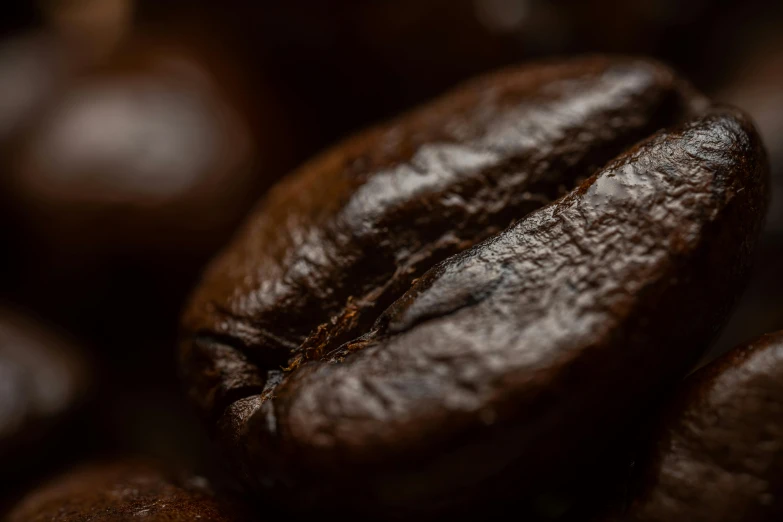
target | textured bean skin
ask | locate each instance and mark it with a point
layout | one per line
(717, 450)
(128, 154)
(500, 350)
(123, 491)
(380, 209)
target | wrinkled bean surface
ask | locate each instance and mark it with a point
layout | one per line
(468, 292)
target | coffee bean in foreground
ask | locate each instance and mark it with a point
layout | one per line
(125, 490)
(131, 178)
(466, 299)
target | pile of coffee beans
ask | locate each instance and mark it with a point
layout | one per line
(395, 260)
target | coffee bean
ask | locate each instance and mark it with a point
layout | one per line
(125, 148)
(132, 177)
(716, 451)
(124, 491)
(35, 67)
(464, 299)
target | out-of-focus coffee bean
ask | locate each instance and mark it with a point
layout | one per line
(95, 26)
(716, 453)
(132, 178)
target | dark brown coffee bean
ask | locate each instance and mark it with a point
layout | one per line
(129, 149)
(123, 491)
(717, 451)
(95, 26)
(135, 139)
(38, 65)
(43, 379)
(133, 177)
(376, 328)
(34, 68)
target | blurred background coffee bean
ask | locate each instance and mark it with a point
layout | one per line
(41, 54)
(117, 179)
(132, 177)
(34, 66)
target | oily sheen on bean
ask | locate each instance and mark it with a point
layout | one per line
(467, 293)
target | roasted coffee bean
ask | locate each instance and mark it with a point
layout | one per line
(402, 319)
(38, 65)
(716, 455)
(124, 150)
(134, 176)
(124, 491)
(95, 26)
(43, 380)
(34, 68)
